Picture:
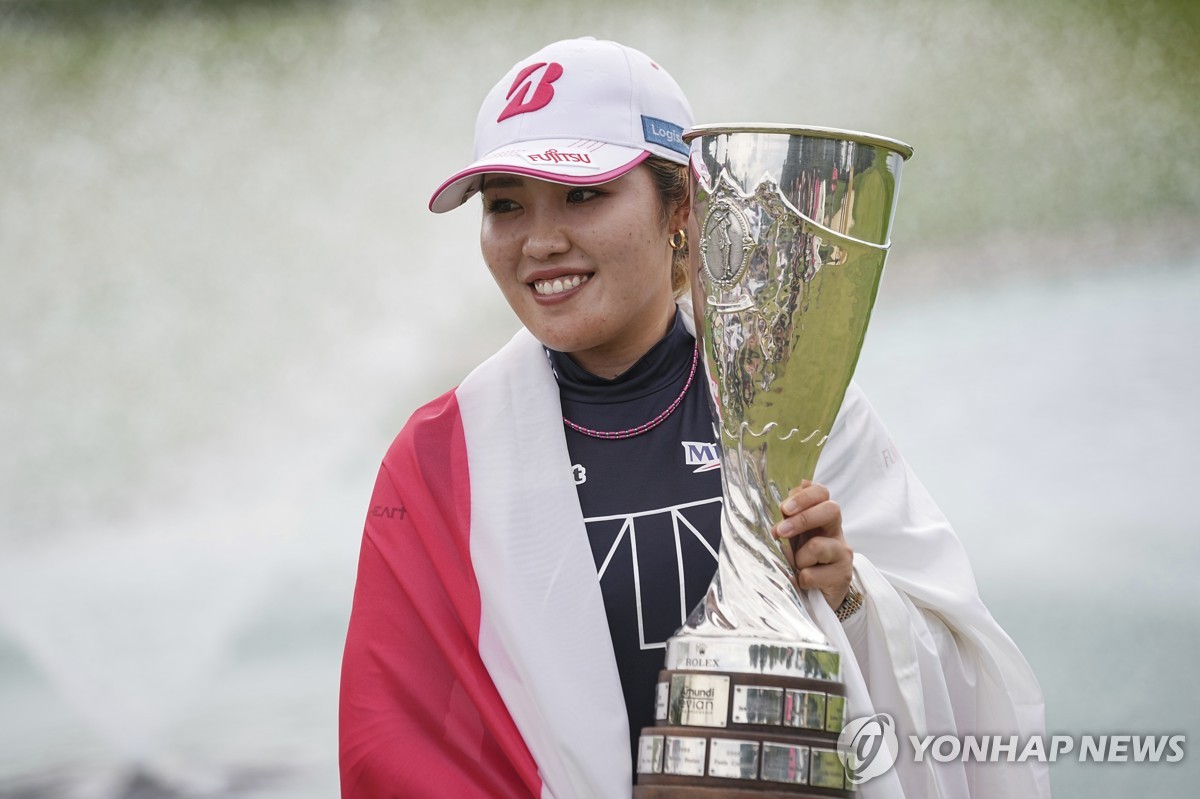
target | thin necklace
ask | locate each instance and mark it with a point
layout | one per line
(650, 425)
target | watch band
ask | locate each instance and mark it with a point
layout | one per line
(850, 605)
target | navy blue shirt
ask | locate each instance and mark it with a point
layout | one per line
(651, 503)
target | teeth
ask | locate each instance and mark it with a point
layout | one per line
(559, 284)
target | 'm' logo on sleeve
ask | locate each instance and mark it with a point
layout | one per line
(702, 455)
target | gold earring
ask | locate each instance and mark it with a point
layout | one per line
(678, 240)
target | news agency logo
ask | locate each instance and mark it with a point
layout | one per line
(1086, 749)
(867, 747)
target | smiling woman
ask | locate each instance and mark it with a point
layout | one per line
(561, 508)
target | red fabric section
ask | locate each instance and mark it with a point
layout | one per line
(420, 716)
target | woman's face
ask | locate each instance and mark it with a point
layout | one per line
(585, 268)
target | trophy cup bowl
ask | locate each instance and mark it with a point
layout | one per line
(794, 229)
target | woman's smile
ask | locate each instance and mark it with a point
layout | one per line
(557, 287)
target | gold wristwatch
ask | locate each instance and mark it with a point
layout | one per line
(851, 604)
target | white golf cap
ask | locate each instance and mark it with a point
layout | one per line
(579, 112)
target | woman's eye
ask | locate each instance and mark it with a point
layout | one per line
(498, 205)
(581, 195)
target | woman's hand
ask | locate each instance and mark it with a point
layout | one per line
(820, 555)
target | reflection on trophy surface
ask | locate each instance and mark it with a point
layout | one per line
(794, 225)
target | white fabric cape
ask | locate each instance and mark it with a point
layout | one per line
(935, 660)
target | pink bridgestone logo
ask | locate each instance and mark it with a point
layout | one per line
(524, 97)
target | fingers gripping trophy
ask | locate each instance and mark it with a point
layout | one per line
(794, 229)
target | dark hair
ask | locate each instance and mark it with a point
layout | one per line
(674, 189)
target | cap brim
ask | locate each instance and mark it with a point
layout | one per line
(572, 162)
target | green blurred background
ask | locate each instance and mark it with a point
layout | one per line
(223, 294)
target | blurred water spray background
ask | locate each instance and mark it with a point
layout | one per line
(222, 295)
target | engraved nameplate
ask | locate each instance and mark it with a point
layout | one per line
(662, 694)
(785, 763)
(699, 700)
(835, 713)
(650, 754)
(733, 759)
(827, 770)
(754, 704)
(805, 709)
(684, 756)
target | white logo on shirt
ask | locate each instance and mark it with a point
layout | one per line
(681, 527)
(579, 473)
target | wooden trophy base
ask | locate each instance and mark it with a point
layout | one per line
(727, 735)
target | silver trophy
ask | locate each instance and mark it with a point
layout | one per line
(794, 229)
